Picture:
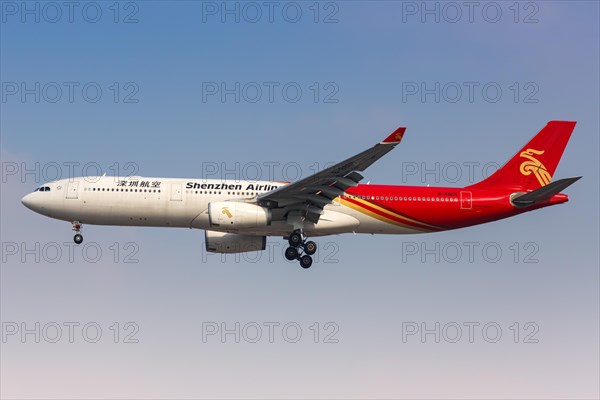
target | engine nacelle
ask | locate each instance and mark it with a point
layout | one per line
(221, 242)
(233, 214)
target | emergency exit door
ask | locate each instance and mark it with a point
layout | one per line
(73, 190)
(466, 200)
(176, 194)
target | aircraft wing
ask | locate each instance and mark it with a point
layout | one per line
(309, 195)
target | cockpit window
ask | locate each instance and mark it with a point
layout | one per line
(36, 189)
(46, 189)
(43, 189)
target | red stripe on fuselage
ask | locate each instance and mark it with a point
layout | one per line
(440, 207)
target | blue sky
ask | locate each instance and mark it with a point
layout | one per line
(360, 59)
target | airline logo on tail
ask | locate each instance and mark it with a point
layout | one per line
(535, 166)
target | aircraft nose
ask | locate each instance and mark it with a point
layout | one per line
(28, 201)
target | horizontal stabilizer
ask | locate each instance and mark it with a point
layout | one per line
(544, 193)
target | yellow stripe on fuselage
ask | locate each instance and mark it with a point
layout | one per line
(360, 208)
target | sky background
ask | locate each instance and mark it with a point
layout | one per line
(357, 64)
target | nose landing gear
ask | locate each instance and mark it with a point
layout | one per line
(78, 238)
(297, 244)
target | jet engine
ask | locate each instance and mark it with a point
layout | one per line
(221, 242)
(232, 214)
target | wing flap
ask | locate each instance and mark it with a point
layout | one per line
(330, 191)
(344, 183)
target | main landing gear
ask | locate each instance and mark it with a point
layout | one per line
(78, 238)
(300, 249)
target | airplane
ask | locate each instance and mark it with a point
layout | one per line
(237, 216)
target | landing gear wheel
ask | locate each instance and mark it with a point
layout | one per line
(310, 248)
(295, 239)
(305, 261)
(78, 239)
(300, 249)
(291, 253)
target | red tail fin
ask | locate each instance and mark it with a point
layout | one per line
(534, 165)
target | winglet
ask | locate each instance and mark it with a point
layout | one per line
(395, 137)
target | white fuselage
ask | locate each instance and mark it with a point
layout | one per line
(181, 203)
